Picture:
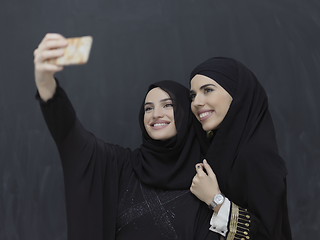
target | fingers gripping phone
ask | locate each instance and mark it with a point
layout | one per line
(77, 52)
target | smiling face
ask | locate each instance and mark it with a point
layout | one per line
(158, 115)
(210, 102)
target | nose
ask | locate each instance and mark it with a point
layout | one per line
(158, 112)
(198, 101)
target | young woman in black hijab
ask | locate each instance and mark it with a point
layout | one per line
(113, 192)
(243, 178)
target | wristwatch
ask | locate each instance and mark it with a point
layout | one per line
(217, 200)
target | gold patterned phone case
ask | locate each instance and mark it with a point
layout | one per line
(77, 51)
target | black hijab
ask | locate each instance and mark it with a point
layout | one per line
(244, 153)
(169, 164)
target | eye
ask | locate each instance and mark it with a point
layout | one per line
(148, 109)
(207, 90)
(167, 105)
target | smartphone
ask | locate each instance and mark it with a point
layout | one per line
(77, 52)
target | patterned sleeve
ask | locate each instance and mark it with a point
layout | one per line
(233, 222)
(239, 224)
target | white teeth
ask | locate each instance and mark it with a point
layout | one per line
(159, 124)
(204, 114)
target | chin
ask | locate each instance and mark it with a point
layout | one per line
(208, 127)
(163, 135)
(160, 138)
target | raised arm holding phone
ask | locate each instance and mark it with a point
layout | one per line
(118, 193)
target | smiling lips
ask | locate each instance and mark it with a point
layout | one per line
(205, 115)
(159, 125)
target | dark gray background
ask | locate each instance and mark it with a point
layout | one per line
(136, 43)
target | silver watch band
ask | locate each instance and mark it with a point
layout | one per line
(217, 200)
(212, 205)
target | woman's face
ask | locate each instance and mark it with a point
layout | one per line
(158, 115)
(210, 102)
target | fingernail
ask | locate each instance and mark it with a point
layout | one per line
(204, 161)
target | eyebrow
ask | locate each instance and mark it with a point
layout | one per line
(162, 100)
(204, 86)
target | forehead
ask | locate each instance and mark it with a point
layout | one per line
(199, 80)
(156, 94)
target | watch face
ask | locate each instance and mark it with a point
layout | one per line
(218, 199)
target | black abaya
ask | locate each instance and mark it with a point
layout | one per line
(108, 193)
(244, 155)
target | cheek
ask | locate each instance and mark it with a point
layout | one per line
(229, 101)
(171, 117)
(172, 114)
(226, 106)
(145, 120)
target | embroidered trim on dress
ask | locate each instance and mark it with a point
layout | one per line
(239, 223)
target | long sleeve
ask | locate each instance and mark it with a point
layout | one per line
(58, 114)
(91, 170)
(239, 224)
(243, 224)
(232, 221)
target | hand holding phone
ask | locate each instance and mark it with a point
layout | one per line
(76, 52)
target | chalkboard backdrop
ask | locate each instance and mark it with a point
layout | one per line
(136, 43)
